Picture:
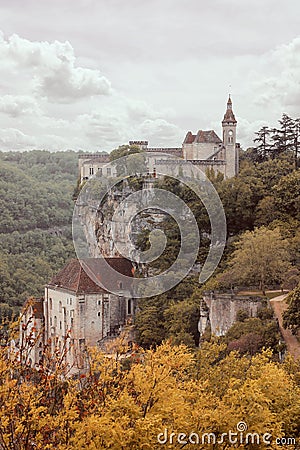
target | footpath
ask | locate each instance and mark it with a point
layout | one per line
(279, 306)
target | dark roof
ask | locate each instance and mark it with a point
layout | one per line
(74, 275)
(206, 137)
(189, 138)
(37, 307)
(229, 116)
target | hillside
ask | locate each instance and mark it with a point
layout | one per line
(35, 223)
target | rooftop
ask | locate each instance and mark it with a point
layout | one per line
(205, 137)
(73, 276)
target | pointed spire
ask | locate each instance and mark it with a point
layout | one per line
(229, 103)
(229, 116)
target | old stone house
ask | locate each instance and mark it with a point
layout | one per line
(77, 311)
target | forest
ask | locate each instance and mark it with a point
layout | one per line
(165, 386)
(262, 212)
(36, 207)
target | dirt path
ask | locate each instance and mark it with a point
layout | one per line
(279, 306)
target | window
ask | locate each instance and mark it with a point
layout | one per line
(70, 301)
(99, 302)
(50, 321)
(129, 309)
(100, 171)
(50, 303)
(120, 285)
(91, 170)
(108, 171)
(55, 321)
(60, 306)
(60, 325)
(99, 314)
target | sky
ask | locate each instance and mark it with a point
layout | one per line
(94, 74)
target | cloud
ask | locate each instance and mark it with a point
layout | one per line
(54, 70)
(14, 139)
(160, 133)
(15, 106)
(281, 85)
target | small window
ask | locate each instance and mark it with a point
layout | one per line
(99, 314)
(60, 325)
(60, 306)
(108, 171)
(129, 309)
(50, 321)
(50, 303)
(55, 321)
(70, 301)
(100, 171)
(72, 321)
(99, 302)
(91, 170)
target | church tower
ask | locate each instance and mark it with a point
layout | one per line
(229, 140)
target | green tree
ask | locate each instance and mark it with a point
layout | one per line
(263, 147)
(291, 317)
(261, 257)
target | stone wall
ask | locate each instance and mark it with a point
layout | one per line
(223, 309)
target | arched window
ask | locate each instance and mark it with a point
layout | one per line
(50, 303)
(230, 137)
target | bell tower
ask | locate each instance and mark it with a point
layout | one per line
(229, 141)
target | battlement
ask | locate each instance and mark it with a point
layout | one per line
(99, 156)
(139, 143)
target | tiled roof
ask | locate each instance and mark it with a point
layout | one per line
(229, 116)
(37, 307)
(73, 276)
(205, 137)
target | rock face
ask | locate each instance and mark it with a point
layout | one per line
(110, 234)
(221, 311)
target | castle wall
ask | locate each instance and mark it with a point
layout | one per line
(223, 309)
(199, 150)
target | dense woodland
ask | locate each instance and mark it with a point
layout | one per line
(166, 382)
(35, 221)
(262, 206)
(262, 210)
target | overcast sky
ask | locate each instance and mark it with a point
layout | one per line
(93, 74)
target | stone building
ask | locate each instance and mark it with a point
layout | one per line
(77, 312)
(204, 149)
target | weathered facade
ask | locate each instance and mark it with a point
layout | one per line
(220, 311)
(77, 311)
(204, 149)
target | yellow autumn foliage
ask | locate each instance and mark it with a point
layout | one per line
(155, 399)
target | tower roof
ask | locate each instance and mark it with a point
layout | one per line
(229, 116)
